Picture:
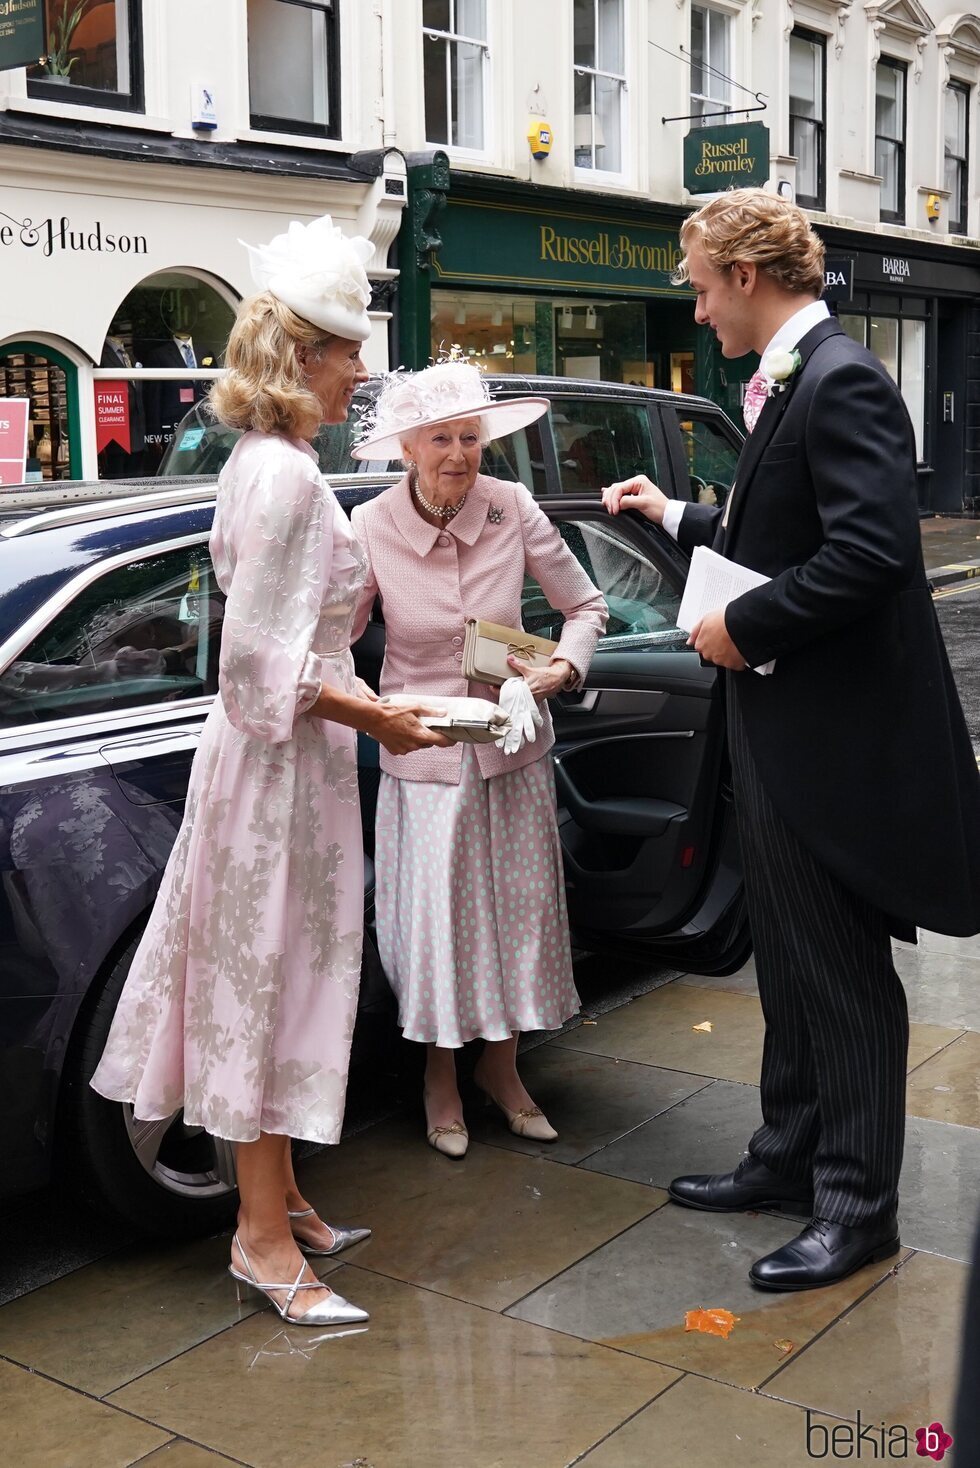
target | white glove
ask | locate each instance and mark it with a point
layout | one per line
(517, 702)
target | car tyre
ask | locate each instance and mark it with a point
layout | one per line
(162, 1178)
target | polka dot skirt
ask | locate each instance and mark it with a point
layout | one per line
(472, 926)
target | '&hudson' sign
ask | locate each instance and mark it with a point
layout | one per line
(21, 33)
(733, 156)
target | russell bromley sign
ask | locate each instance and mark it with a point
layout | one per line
(733, 156)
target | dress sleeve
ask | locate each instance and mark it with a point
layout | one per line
(564, 583)
(268, 674)
(369, 590)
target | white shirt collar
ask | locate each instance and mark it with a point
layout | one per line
(792, 332)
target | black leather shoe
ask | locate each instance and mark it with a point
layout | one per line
(824, 1253)
(751, 1185)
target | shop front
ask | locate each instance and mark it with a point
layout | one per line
(537, 281)
(118, 300)
(916, 307)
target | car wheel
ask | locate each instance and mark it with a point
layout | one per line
(162, 1177)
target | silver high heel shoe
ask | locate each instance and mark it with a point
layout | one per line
(333, 1311)
(343, 1237)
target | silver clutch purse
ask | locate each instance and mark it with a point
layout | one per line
(466, 720)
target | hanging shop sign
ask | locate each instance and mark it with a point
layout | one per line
(21, 33)
(13, 439)
(489, 243)
(838, 277)
(112, 424)
(733, 156)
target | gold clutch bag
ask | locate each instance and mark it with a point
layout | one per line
(488, 646)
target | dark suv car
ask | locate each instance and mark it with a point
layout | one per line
(110, 622)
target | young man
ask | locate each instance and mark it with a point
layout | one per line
(856, 788)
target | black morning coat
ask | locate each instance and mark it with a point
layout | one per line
(858, 734)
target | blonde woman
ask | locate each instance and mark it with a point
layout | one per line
(240, 1003)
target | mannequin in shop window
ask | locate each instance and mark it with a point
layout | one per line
(167, 402)
(114, 461)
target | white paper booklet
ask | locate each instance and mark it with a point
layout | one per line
(711, 584)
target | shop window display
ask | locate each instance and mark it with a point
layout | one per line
(171, 323)
(93, 54)
(596, 338)
(44, 383)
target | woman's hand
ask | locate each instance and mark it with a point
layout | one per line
(543, 682)
(397, 728)
(364, 690)
(639, 493)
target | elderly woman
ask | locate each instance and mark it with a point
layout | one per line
(471, 915)
(240, 1002)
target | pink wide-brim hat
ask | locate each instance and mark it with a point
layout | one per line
(442, 393)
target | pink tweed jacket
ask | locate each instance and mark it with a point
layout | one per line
(431, 578)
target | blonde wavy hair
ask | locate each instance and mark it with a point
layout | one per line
(265, 387)
(755, 227)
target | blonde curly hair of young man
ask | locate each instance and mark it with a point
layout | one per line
(265, 386)
(757, 228)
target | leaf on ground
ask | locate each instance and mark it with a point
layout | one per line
(704, 1028)
(784, 1346)
(711, 1322)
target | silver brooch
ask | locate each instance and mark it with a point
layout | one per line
(495, 514)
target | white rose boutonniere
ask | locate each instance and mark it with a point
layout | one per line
(778, 366)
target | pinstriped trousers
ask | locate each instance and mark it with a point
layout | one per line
(837, 1030)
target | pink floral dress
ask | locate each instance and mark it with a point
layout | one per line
(241, 999)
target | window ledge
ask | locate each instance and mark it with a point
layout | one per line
(291, 140)
(73, 112)
(617, 181)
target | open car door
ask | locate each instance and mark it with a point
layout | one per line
(645, 813)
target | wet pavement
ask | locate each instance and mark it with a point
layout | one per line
(951, 545)
(528, 1304)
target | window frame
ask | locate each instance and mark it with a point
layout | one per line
(331, 129)
(819, 200)
(960, 224)
(716, 105)
(862, 309)
(583, 170)
(888, 216)
(459, 38)
(42, 89)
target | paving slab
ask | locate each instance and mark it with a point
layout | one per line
(947, 1087)
(487, 1229)
(634, 1294)
(429, 1381)
(940, 1187)
(49, 1426)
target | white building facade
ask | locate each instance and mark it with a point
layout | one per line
(520, 169)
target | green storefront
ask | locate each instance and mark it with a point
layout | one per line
(529, 280)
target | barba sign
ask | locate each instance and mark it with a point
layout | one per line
(54, 236)
(733, 156)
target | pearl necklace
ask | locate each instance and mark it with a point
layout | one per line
(442, 512)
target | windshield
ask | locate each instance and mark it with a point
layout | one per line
(202, 445)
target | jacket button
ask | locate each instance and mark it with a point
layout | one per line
(457, 642)
(443, 540)
(458, 656)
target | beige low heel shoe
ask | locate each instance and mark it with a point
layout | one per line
(530, 1123)
(451, 1141)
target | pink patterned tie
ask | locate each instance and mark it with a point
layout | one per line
(756, 393)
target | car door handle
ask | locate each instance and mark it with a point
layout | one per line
(124, 751)
(581, 702)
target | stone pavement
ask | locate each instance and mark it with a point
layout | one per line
(951, 548)
(528, 1304)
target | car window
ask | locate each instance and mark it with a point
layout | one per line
(519, 456)
(643, 603)
(599, 441)
(147, 632)
(710, 454)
